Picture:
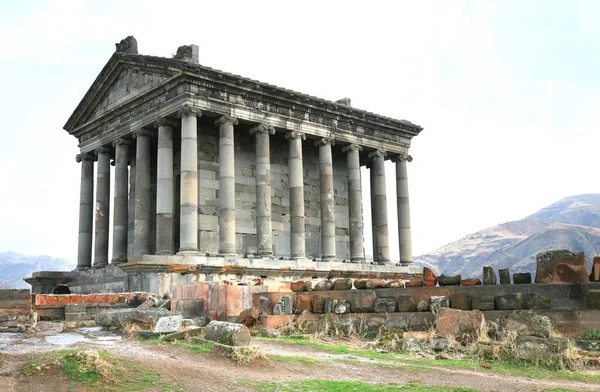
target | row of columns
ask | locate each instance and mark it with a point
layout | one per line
(141, 177)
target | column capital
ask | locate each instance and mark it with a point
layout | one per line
(143, 132)
(121, 141)
(165, 122)
(295, 135)
(377, 153)
(262, 128)
(102, 150)
(401, 158)
(188, 110)
(85, 157)
(226, 119)
(324, 141)
(352, 147)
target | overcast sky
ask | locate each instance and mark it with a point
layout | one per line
(508, 93)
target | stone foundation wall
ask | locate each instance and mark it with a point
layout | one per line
(52, 306)
(16, 312)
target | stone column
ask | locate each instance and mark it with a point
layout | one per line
(164, 187)
(141, 225)
(226, 185)
(327, 199)
(188, 220)
(357, 254)
(86, 211)
(121, 201)
(296, 186)
(404, 234)
(381, 243)
(102, 207)
(264, 234)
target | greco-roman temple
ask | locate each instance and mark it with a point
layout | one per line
(221, 177)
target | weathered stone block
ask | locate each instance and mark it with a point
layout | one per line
(341, 307)
(264, 305)
(248, 317)
(592, 299)
(303, 303)
(522, 278)
(298, 286)
(527, 323)
(429, 278)
(75, 308)
(462, 324)
(330, 304)
(509, 302)
(318, 304)
(324, 285)
(413, 283)
(231, 334)
(595, 275)
(535, 301)
(489, 276)
(190, 308)
(342, 284)
(283, 306)
(423, 306)
(460, 301)
(437, 302)
(482, 303)
(561, 266)
(168, 324)
(470, 282)
(444, 280)
(362, 301)
(504, 275)
(385, 305)
(406, 303)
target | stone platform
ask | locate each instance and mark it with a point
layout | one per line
(160, 274)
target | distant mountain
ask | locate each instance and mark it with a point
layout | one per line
(14, 267)
(572, 223)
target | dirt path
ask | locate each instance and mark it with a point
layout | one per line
(212, 372)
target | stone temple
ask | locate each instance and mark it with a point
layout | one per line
(219, 177)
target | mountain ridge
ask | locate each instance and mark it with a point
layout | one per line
(15, 267)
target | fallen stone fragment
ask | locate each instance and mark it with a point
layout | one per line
(324, 285)
(595, 275)
(439, 344)
(330, 304)
(429, 278)
(231, 334)
(146, 334)
(394, 284)
(283, 306)
(342, 284)
(558, 266)
(470, 282)
(504, 275)
(522, 278)
(248, 317)
(527, 323)
(423, 306)
(264, 305)
(509, 302)
(298, 286)
(341, 307)
(489, 276)
(120, 318)
(182, 335)
(419, 335)
(444, 280)
(411, 345)
(385, 305)
(168, 324)
(461, 324)
(413, 283)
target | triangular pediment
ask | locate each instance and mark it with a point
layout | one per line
(120, 81)
(128, 85)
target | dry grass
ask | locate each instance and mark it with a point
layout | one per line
(91, 361)
(247, 356)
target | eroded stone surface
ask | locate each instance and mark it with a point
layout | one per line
(561, 266)
(461, 324)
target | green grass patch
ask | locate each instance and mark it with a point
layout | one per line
(293, 359)
(198, 348)
(104, 373)
(499, 367)
(350, 386)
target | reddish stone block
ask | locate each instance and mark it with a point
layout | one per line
(303, 302)
(595, 275)
(298, 286)
(470, 282)
(318, 304)
(275, 321)
(461, 324)
(429, 278)
(558, 266)
(421, 335)
(413, 283)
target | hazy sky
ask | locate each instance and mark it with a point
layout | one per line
(508, 93)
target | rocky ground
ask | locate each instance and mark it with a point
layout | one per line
(190, 371)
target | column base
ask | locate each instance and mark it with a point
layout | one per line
(357, 260)
(327, 259)
(163, 253)
(98, 266)
(119, 260)
(183, 252)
